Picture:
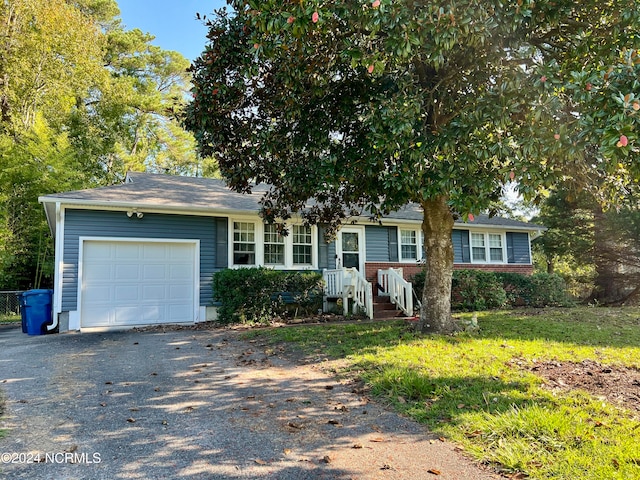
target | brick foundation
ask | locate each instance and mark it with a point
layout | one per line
(410, 269)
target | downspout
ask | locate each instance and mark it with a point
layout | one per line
(58, 237)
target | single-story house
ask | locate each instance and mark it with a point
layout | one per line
(144, 252)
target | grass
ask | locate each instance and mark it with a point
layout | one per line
(476, 389)
(10, 318)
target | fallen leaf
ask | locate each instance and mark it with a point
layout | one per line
(377, 439)
(131, 420)
(461, 405)
(164, 422)
(401, 399)
(134, 409)
(72, 449)
(102, 404)
(442, 439)
(286, 451)
(294, 425)
(434, 471)
(260, 462)
(357, 445)
(156, 389)
(519, 476)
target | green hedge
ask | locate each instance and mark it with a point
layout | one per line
(481, 290)
(250, 295)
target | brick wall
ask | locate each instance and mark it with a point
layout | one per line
(410, 269)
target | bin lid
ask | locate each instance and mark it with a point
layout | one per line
(41, 291)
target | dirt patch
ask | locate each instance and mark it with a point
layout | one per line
(620, 385)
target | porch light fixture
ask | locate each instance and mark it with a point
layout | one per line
(131, 213)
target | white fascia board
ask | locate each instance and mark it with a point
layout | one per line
(141, 206)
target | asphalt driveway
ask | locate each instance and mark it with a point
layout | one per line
(196, 404)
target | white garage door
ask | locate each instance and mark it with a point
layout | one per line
(137, 283)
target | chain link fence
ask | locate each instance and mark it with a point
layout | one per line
(10, 303)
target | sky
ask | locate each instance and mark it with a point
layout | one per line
(172, 22)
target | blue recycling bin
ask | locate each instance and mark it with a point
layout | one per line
(35, 308)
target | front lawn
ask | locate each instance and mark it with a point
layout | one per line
(485, 390)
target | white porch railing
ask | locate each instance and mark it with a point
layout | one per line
(348, 283)
(400, 291)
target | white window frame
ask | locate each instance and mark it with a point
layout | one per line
(259, 227)
(293, 244)
(419, 244)
(487, 247)
(282, 241)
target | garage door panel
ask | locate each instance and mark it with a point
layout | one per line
(123, 293)
(180, 272)
(98, 294)
(126, 273)
(155, 252)
(177, 292)
(154, 293)
(137, 283)
(126, 251)
(153, 272)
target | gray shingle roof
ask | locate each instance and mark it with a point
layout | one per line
(207, 194)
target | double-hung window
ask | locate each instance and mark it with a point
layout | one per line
(495, 248)
(487, 247)
(244, 243)
(302, 245)
(273, 246)
(256, 243)
(408, 245)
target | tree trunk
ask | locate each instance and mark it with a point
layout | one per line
(607, 288)
(435, 315)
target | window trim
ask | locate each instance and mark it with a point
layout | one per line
(419, 245)
(487, 247)
(260, 244)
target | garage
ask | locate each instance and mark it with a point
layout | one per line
(127, 283)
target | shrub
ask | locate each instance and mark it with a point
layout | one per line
(246, 294)
(477, 290)
(481, 290)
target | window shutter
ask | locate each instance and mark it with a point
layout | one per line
(466, 250)
(393, 244)
(222, 239)
(511, 258)
(323, 249)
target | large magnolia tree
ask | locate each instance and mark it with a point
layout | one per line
(363, 106)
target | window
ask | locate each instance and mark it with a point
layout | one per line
(478, 251)
(244, 243)
(408, 245)
(302, 245)
(495, 248)
(253, 243)
(487, 247)
(273, 246)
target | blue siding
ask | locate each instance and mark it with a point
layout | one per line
(96, 223)
(518, 248)
(377, 243)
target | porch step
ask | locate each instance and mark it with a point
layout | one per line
(384, 309)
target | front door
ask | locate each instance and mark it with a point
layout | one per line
(352, 248)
